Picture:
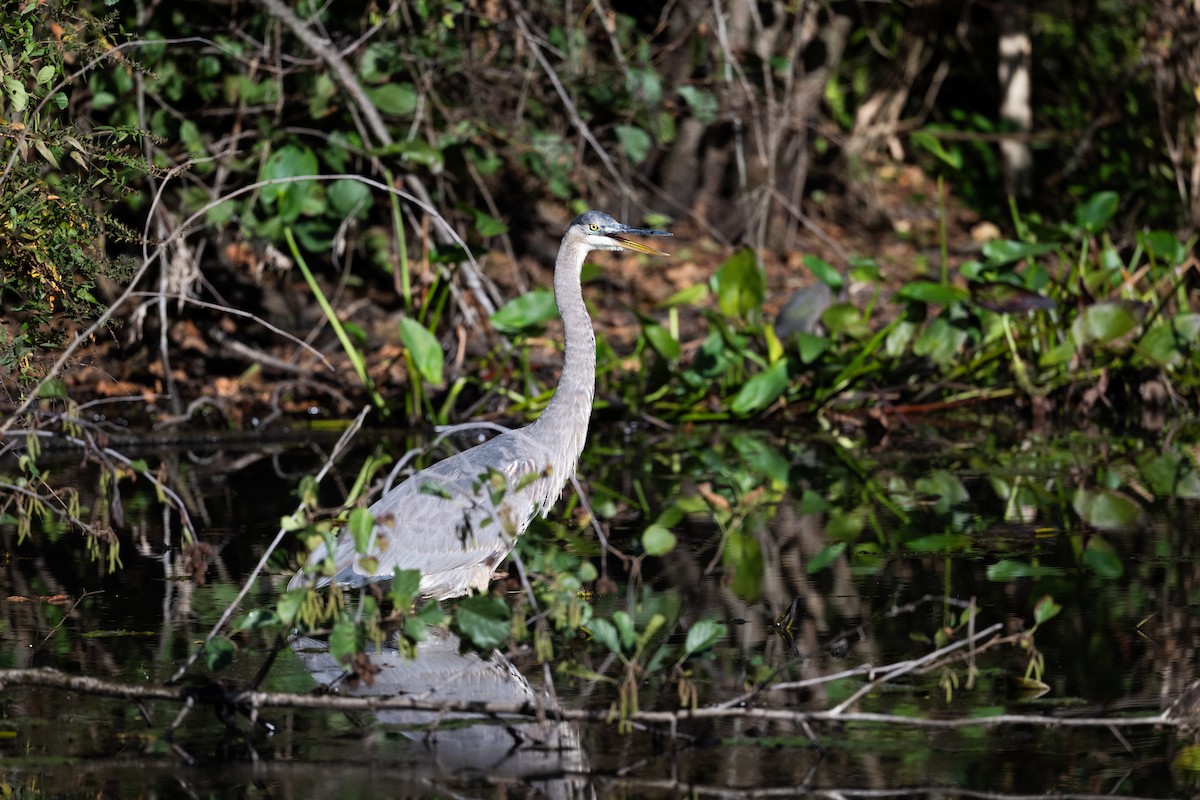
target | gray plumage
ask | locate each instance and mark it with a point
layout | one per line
(456, 520)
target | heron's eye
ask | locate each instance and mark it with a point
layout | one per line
(594, 227)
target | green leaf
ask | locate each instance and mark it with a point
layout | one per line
(927, 140)
(484, 620)
(486, 225)
(529, 311)
(657, 540)
(845, 319)
(219, 653)
(406, 585)
(605, 632)
(1008, 570)
(1165, 247)
(348, 197)
(1102, 323)
(289, 605)
(288, 199)
(360, 525)
(692, 295)
(424, 348)
(811, 346)
(635, 142)
(824, 272)
(54, 388)
(702, 103)
(1093, 214)
(1046, 609)
(662, 341)
(45, 74)
(761, 390)
(343, 640)
(743, 559)
(1102, 559)
(625, 627)
(1005, 251)
(395, 99)
(942, 294)
(1106, 509)
(703, 635)
(255, 619)
(826, 556)
(740, 285)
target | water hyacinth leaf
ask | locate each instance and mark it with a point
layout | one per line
(826, 556)
(1102, 559)
(219, 653)
(824, 272)
(942, 294)
(1095, 212)
(703, 635)
(761, 390)
(1106, 509)
(1046, 609)
(424, 348)
(484, 620)
(740, 285)
(1006, 251)
(662, 341)
(525, 313)
(1103, 322)
(635, 142)
(657, 540)
(605, 632)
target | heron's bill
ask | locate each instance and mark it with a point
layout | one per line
(629, 244)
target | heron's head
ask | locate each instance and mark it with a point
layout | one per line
(599, 231)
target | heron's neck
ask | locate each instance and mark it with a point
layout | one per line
(565, 420)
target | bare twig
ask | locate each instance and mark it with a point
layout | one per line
(247, 701)
(334, 454)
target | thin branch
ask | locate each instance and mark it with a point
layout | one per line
(334, 454)
(249, 700)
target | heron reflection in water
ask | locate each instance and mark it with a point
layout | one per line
(456, 520)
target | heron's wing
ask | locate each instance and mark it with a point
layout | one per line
(454, 521)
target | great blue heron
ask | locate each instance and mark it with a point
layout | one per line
(455, 521)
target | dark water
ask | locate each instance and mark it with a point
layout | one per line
(959, 511)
